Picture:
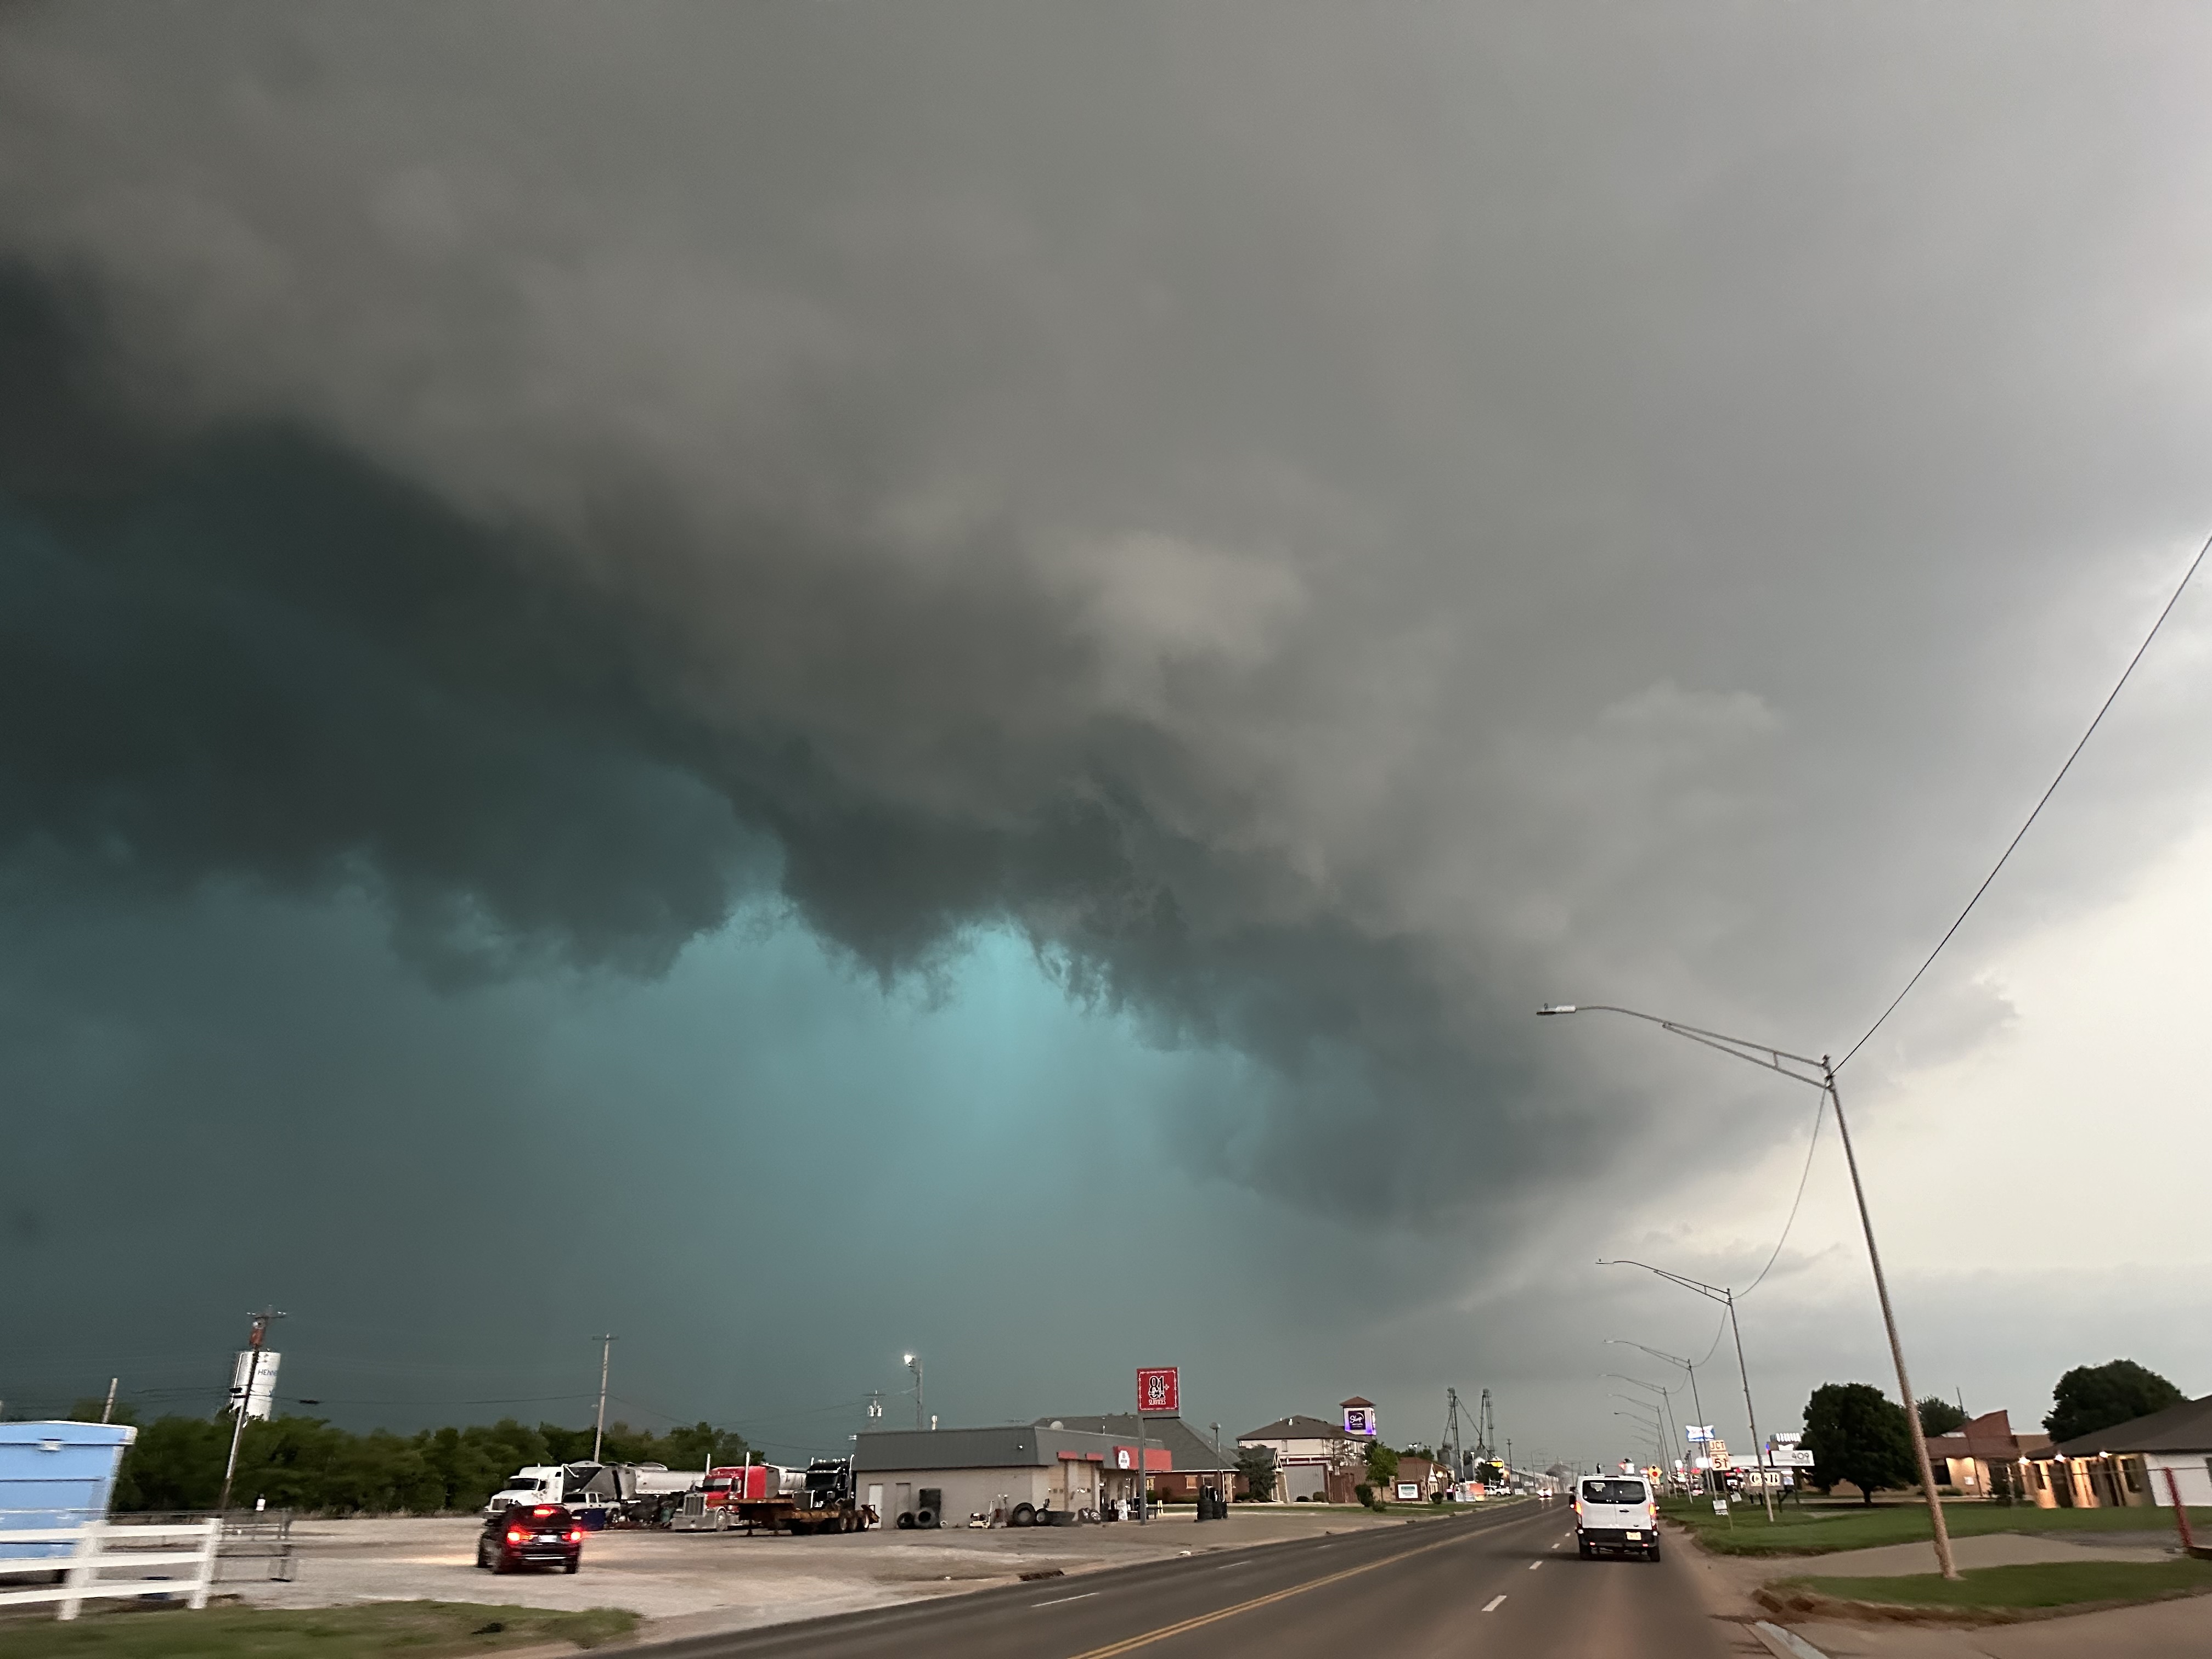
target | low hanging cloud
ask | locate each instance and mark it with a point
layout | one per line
(1329, 562)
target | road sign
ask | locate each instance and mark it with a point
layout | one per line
(1159, 1389)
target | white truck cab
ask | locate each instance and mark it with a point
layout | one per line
(540, 1483)
(1616, 1512)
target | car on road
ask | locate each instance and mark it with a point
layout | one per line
(530, 1536)
(1616, 1513)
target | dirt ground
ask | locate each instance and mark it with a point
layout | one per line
(696, 1583)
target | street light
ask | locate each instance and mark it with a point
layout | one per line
(1697, 1404)
(1632, 1418)
(1800, 1068)
(1672, 1428)
(1726, 1297)
(914, 1364)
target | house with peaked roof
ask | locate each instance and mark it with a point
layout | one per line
(1315, 1461)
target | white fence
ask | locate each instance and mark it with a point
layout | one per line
(102, 1547)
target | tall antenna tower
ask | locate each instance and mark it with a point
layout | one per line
(1460, 1467)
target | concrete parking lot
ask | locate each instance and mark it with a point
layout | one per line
(694, 1583)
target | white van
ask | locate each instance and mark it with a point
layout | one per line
(1616, 1512)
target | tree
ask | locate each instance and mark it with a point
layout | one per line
(1856, 1433)
(1257, 1465)
(1939, 1416)
(1381, 1464)
(2093, 1397)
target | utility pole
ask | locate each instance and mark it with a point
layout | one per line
(914, 1364)
(599, 1427)
(245, 1400)
(107, 1412)
(1819, 1074)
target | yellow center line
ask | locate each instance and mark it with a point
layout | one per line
(1132, 1643)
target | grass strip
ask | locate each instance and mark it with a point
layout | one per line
(420, 1630)
(2015, 1589)
(1823, 1528)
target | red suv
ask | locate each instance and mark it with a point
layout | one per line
(530, 1536)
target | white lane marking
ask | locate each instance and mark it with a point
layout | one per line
(1491, 1606)
(1060, 1600)
(1555, 1543)
(1533, 1565)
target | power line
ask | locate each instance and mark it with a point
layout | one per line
(2179, 588)
(1819, 1112)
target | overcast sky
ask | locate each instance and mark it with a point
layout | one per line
(811, 680)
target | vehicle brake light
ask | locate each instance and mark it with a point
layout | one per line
(543, 1509)
(577, 1536)
(517, 1535)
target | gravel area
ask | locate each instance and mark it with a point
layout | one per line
(691, 1583)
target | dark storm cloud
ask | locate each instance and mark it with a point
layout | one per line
(1338, 523)
(246, 652)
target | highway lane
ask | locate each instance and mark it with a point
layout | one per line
(1506, 1582)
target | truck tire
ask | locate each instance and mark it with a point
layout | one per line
(1025, 1514)
(906, 1522)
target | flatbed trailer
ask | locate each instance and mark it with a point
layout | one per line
(824, 1504)
(792, 1515)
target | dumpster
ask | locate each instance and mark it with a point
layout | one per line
(56, 1474)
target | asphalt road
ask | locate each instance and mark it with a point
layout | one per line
(1508, 1583)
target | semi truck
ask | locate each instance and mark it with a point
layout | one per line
(819, 1497)
(638, 1494)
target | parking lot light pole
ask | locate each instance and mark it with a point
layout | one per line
(914, 1364)
(1819, 1074)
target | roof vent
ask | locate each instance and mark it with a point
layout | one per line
(1057, 1423)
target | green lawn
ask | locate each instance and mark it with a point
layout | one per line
(2043, 1584)
(1820, 1529)
(420, 1630)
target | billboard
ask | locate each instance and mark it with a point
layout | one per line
(265, 1381)
(1359, 1420)
(1697, 1431)
(1159, 1389)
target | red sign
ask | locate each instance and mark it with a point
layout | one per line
(1159, 1390)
